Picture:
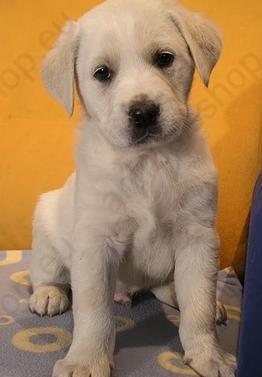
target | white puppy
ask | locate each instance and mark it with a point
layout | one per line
(139, 212)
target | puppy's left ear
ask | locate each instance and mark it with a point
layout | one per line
(201, 35)
(58, 69)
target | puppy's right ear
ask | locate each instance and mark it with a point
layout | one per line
(58, 68)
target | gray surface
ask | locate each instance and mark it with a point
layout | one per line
(139, 349)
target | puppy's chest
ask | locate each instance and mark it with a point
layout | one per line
(151, 189)
(150, 192)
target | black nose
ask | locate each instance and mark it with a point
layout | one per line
(144, 114)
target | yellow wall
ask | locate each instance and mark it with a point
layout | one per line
(36, 138)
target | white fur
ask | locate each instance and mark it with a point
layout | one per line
(134, 215)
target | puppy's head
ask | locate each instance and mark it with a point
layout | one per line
(133, 61)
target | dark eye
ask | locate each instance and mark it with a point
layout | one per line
(164, 59)
(103, 73)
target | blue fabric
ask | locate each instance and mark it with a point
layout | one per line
(147, 341)
(250, 344)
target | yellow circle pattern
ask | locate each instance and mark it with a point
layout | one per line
(21, 277)
(6, 320)
(11, 257)
(22, 339)
(124, 323)
(233, 312)
(174, 318)
(172, 361)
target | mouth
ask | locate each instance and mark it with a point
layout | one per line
(147, 136)
(153, 138)
(142, 138)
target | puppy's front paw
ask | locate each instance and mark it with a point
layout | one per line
(212, 363)
(64, 368)
(48, 300)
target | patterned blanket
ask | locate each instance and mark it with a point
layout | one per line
(147, 331)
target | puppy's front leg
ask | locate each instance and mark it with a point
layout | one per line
(195, 282)
(93, 274)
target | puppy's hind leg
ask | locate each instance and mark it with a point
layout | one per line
(49, 276)
(166, 294)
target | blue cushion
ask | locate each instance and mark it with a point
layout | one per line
(250, 344)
